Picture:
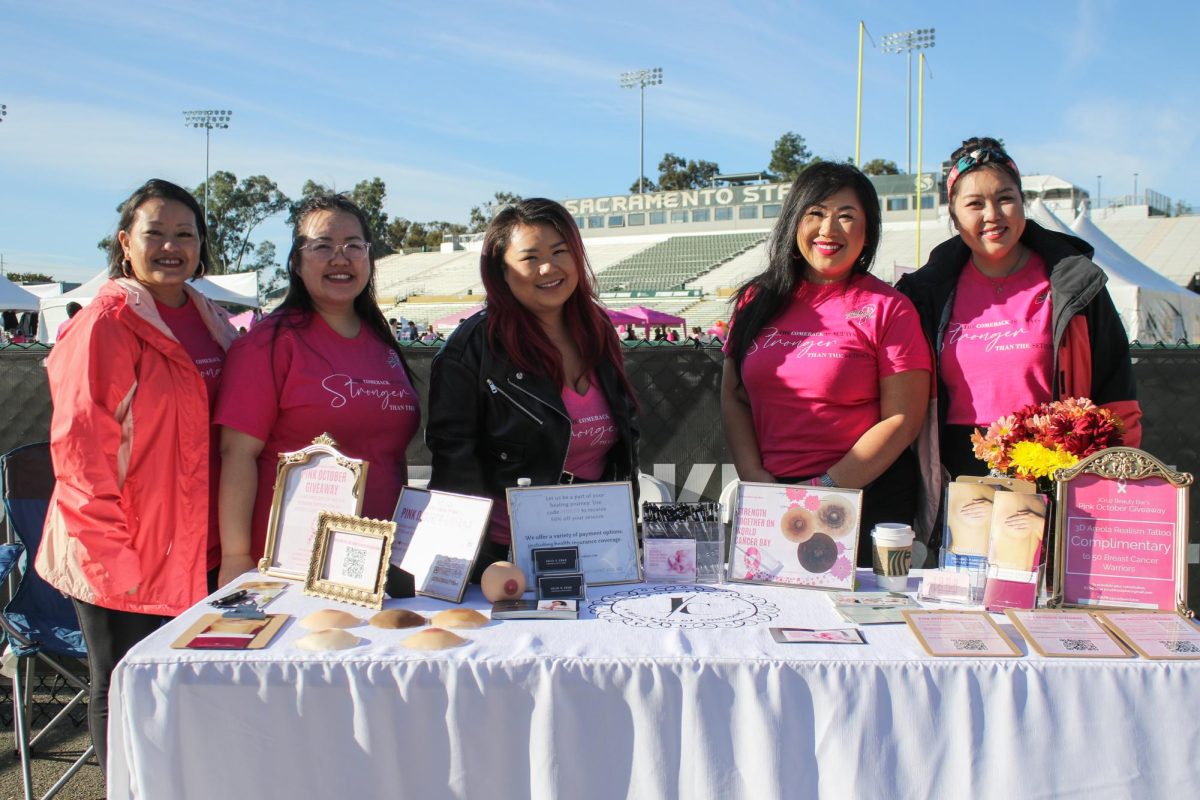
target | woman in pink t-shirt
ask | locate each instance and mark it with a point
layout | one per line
(826, 376)
(325, 361)
(1016, 313)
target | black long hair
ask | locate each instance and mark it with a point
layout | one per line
(157, 189)
(763, 297)
(297, 308)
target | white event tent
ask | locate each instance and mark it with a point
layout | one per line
(221, 289)
(15, 298)
(1153, 308)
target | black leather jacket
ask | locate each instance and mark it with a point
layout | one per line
(491, 423)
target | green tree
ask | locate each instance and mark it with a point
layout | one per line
(672, 173)
(482, 214)
(271, 274)
(790, 156)
(397, 233)
(234, 211)
(29, 277)
(647, 186)
(880, 166)
(369, 196)
(676, 173)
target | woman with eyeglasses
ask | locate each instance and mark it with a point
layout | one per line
(1016, 314)
(325, 361)
(534, 385)
(131, 528)
(826, 375)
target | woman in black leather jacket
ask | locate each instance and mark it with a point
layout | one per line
(533, 386)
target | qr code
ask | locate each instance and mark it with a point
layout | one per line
(970, 644)
(1188, 648)
(354, 564)
(1080, 645)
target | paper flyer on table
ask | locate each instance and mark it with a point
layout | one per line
(1066, 634)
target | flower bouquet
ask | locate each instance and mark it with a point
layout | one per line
(1041, 438)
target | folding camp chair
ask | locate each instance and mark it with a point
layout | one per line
(39, 622)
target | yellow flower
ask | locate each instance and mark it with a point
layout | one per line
(1031, 460)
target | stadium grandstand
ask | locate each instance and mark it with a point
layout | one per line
(686, 252)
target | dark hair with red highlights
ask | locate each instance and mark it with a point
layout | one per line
(514, 329)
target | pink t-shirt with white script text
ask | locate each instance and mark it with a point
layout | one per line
(593, 432)
(997, 353)
(812, 374)
(287, 385)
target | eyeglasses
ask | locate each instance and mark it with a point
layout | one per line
(353, 251)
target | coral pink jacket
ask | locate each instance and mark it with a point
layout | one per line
(129, 441)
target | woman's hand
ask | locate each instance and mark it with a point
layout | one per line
(239, 485)
(738, 422)
(234, 566)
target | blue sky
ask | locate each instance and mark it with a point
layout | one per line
(449, 102)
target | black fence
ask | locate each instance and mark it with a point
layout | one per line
(678, 389)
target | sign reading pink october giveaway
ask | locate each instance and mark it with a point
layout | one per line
(1120, 540)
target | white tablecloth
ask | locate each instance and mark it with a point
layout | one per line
(624, 704)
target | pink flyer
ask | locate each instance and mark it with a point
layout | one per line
(1120, 542)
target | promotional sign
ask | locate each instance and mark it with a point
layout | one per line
(1122, 533)
(438, 535)
(795, 535)
(309, 481)
(597, 518)
(350, 559)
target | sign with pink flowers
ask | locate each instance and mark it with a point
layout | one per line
(1122, 533)
(802, 536)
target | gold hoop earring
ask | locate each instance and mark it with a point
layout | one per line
(126, 267)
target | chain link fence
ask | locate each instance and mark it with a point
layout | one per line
(678, 388)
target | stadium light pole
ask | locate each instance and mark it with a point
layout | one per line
(1098, 177)
(207, 119)
(906, 42)
(639, 79)
(3, 112)
(1135, 202)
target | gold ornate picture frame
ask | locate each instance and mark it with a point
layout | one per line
(350, 559)
(308, 481)
(1121, 534)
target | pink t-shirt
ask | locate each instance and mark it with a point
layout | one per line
(189, 328)
(997, 353)
(593, 432)
(288, 388)
(812, 374)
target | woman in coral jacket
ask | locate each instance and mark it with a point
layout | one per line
(131, 529)
(1016, 314)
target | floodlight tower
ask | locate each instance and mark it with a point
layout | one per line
(906, 42)
(207, 119)
(639, 79)
(3, 112)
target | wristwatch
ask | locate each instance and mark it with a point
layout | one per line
(824, 480)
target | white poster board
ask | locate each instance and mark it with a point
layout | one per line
(437, 539)
(598, 518)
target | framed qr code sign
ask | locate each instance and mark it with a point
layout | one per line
(349, 559)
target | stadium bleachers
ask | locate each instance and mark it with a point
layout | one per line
(673, 263)
(399, 276)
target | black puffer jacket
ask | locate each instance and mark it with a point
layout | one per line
(491, 423)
